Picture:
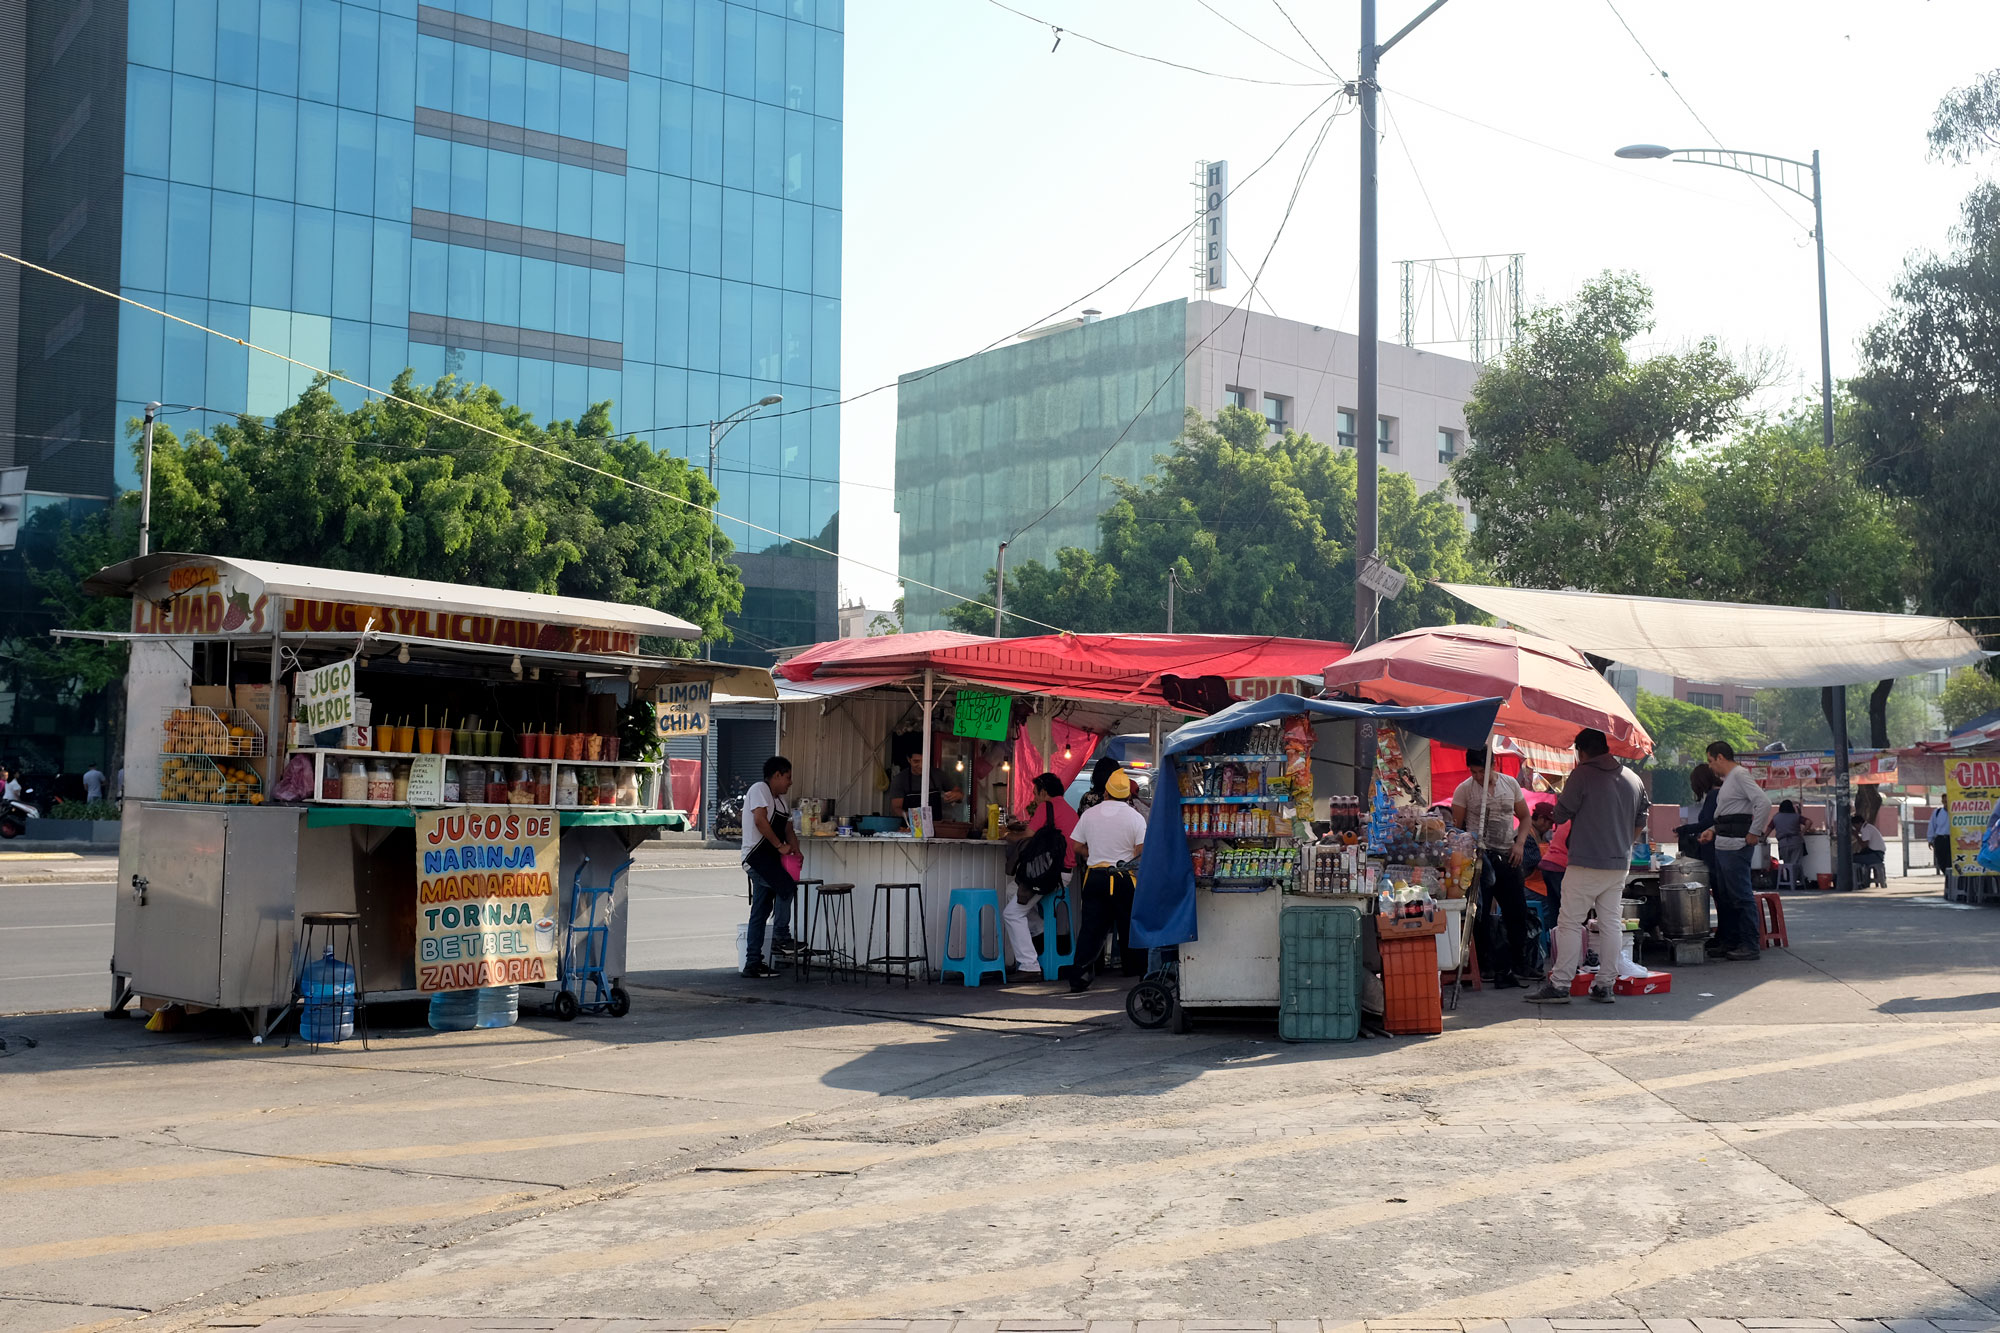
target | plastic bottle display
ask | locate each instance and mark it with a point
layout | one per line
(566, 788)
(452, 784)
(328, 1012)
(496, 1006)
(454, 1010)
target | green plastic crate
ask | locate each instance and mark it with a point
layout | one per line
(1319, 961)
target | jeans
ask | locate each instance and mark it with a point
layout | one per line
(1735, 905)
(1865, 861)
(1102, 887)
(1552, 907)
(1588, 888)
(763, 900)
(1941, 852)
(1500, 955)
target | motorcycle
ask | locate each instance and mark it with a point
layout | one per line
(14, 815)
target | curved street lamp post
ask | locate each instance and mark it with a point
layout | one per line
(716, 431)
(1803, 180)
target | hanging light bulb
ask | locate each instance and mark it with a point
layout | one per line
(1066, 753)
(1006, 766)
(403, 654)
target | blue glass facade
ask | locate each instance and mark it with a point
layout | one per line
(569, 200)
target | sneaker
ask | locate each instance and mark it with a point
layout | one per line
(1743, 955)
(1505, 981)
(759, 972)
(1548, 994)
(1080, 982)
(1601, 995)
(1024, 975)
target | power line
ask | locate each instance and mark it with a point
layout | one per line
(1241, 308)
(1309, 43)
(1259, 40)
(1305, 166)
(474, 426)
(1062, 32)
(1403, 143)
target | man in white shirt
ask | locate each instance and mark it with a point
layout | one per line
(1107, 837)
(1870, 851)
(1940, 835)
(767, 835)
(93, 783)
(1742, 822)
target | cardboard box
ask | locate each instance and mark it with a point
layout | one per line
(256, 701)
(210, 696)
(1396, 927)
(1648, 983)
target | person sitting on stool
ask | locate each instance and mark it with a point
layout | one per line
(1870, 852)
(1107, 839)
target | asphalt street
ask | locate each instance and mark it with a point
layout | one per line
(1813, 1136)
(55, 937)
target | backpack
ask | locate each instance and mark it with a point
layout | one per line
(1037, 863)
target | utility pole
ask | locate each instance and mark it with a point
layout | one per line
(1173, 581)
(1843, 792)
(1367, 396)
(146, 484)
(999, 588)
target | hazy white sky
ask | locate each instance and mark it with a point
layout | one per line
(991, 182)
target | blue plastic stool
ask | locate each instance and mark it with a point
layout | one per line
(973, 962)
(1058, 933)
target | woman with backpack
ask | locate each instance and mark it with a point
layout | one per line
(1040, 864)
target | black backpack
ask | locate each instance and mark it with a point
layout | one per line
(1037, 863)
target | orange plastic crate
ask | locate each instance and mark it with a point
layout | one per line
(1411, 1001)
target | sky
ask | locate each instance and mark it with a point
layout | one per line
(993, 183)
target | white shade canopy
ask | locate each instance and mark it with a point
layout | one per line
(1761, 646)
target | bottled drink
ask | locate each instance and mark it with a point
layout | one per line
(497, 1006)
(454, 1010)
(328, 1012)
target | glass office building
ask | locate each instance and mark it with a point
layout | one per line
(570, 200)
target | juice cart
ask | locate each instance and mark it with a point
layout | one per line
(293, 733)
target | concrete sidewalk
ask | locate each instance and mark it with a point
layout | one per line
(1814, 1137)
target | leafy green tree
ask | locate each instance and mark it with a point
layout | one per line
(1798, 717)
(1260, 536)
(1573, 482)
(391, 489)
(1970, 693)
(1681, 731)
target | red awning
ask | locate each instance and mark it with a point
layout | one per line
(1121, 668)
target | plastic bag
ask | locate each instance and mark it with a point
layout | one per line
(1298, 758)
(296, 784)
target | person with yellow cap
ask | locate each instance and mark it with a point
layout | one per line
(1107, 839)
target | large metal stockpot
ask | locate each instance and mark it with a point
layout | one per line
(1684, 900)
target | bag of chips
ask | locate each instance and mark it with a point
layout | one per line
(1298, 735)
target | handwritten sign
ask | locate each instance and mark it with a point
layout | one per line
(682, 709)
(328, 695)
(427, 780)
(981, 717)
(487, 897)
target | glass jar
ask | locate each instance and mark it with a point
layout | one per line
(628, 789)
(566, 788)
(330, 781)
(607, 786)
(586, 786)
(382, 782)
(521, 791)
(402, 796)
(544, 786)
(354, 780)
(453, 777)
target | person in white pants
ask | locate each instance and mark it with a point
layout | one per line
(1048, 803)
(1604, 805)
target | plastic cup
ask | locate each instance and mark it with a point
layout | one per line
(406, 739)
(442, 739)
(385, 738)
(490, 743)
(464, 742)
(426, 736)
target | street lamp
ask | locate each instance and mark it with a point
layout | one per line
(716, 431)
(1802, 179)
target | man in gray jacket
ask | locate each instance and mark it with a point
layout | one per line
(1605, 806)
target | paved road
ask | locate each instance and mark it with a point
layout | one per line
(1813, 1136)
(55, 938)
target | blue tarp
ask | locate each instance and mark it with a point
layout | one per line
(1163, 907)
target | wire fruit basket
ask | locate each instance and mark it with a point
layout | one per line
(202, 779)
(229, 732)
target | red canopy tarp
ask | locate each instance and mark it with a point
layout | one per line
(1549, 690)
(1121, 668)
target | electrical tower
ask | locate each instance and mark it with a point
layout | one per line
(1469, 300)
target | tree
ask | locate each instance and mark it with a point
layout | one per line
(1681, 731)
(1260, 535)
(1573, 480)
(391, 489)
(1798, 717)
(1970, 693)
(889, 623)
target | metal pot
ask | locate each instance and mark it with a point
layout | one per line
(1686, 870)
(1684, 909)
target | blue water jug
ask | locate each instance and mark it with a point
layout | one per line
(498, 1006)
(328, 1012)
(454, 1010)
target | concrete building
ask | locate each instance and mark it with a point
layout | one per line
(986, 444)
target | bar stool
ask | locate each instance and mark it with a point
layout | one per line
(318, 932)
(965, 927)
(1058, 934)
(1771, 922)
(912, 902)
(802, 928)
(833, 915)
